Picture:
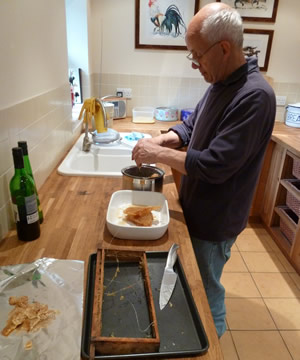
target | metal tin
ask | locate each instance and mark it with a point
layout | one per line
(166, 114)
(292, 115)
(145, 178)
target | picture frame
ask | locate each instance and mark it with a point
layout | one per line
(259, 43)
(155, 29)
(255, 10)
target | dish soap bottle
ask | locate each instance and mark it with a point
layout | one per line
(24, 200)
(27, 166)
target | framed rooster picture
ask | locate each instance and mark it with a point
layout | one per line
(162, 24)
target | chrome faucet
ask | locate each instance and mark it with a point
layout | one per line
(86, 145)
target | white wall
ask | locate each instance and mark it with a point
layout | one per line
(33, 51)
(120, 56)
(118, 52)
(35, 101)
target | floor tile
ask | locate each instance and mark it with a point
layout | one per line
(235, 263)
(287, 265)
(285, 312)
(272, 244)
(248, 314)
(276, 285)
(262, 262)
(292, 341)
(253, 242)
(296, 278)
(260, 345)
(254, 229)
(239, 285)
(227, 346)
(234, 248)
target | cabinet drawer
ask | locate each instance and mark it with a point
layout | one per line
(288, 222)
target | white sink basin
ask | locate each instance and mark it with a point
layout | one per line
(103, 160)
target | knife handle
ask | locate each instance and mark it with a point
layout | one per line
(172, 256)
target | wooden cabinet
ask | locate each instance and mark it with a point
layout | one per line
(281, 221)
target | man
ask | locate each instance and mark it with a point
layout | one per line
(227, 136)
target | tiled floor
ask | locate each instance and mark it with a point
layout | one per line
(262, 300)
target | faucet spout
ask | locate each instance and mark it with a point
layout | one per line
(86, 146)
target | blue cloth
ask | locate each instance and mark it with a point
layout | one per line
(227, 136)
(211, 258)
(134, 136)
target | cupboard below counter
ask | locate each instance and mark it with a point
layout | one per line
(277, 200)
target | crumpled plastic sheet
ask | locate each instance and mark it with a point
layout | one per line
(57, 283)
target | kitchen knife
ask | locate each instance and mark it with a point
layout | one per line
(169, 278)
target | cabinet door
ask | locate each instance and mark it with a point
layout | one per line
(272, 184)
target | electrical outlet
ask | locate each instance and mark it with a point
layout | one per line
(127, 92)
(280, 100)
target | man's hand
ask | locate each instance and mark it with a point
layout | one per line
(146, 151)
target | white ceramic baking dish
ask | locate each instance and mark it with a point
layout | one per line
(120, 228)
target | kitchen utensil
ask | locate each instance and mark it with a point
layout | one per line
(292, 115)
(122, 289)
(122, 229)
(166, 114)
(146, 178)
(169, 278)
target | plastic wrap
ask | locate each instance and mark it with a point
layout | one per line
(57, 283)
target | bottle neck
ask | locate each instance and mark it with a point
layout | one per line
(27, 165)
(18, 158)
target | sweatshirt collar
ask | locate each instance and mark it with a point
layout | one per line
(249, 66)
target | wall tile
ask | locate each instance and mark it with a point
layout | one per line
(45, 122)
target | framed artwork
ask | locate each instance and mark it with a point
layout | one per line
(255, 10)
(162, 24)
(258, 43)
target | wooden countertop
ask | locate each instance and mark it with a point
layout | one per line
(74, 226)
(287, 136)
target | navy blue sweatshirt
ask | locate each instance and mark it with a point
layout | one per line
(227, 136)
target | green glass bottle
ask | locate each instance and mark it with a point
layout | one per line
(24, 200)
(27, 165)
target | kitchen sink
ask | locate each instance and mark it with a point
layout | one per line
(101, 160)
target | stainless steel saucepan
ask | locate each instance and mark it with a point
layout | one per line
(145, 178)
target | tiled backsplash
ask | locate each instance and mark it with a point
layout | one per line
(292, 93)
(172, 91)
(45, 122)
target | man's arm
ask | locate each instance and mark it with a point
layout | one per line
(160, 149)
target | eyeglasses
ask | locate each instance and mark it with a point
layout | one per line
(196, 62)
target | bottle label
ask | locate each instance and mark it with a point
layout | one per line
(32, 214)
(32, 218)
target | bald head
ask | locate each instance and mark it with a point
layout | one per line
(215, 22)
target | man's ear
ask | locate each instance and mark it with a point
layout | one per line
(226, 47)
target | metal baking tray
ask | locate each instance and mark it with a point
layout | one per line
(180, 328)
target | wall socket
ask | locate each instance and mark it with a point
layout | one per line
(280, 100)
(127, 92)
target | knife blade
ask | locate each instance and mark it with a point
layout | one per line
(169, 278)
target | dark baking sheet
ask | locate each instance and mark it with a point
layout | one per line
(180, 328)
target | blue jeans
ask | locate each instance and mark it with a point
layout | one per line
(211, 258)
